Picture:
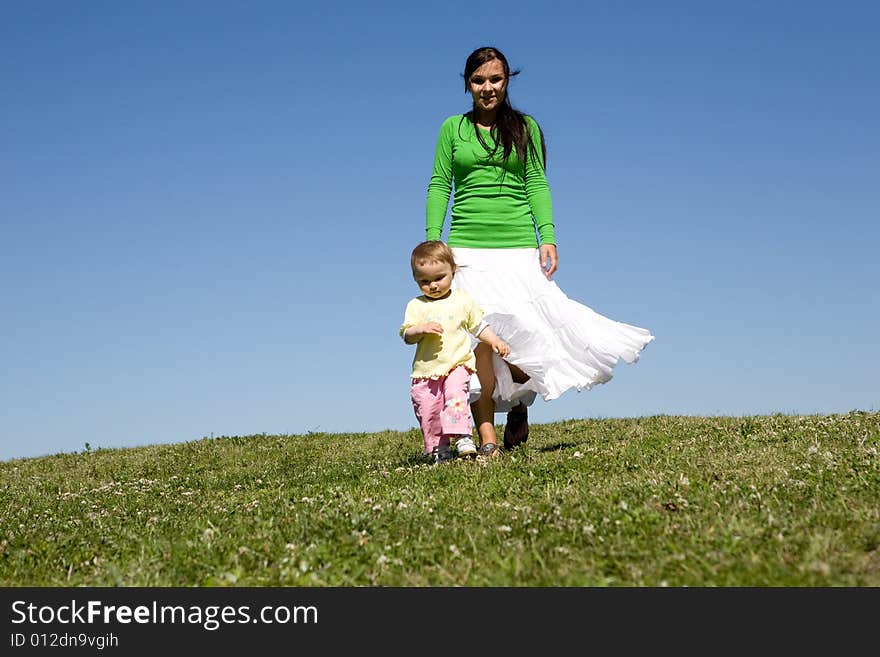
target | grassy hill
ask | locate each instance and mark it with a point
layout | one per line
(680, 501)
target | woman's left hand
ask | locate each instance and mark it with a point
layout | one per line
(549, 260)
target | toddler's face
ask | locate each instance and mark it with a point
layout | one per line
(433, 278)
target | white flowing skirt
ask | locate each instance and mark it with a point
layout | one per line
(560, 343)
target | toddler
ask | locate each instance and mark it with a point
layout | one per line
(440, 323)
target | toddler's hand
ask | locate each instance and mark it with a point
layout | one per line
(501, 348)
(432, 327)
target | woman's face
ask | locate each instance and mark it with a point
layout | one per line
(488, 85)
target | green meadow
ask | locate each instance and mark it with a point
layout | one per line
(777, 500)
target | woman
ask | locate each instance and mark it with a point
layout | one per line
(502, 235)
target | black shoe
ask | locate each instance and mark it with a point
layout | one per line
(516, 431)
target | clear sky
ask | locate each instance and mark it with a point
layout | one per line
(207, 208)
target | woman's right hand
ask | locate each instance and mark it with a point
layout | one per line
(549, 260)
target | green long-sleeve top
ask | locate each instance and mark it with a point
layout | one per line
(496, 204)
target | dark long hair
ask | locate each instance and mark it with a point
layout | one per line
(510, 130)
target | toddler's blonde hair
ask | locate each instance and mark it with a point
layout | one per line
(432, 251)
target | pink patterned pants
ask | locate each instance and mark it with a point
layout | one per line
(441, 407)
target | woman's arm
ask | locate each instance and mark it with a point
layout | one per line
(540, 202)
(440, 185)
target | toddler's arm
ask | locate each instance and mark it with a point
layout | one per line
(415, 333)
(498, 345)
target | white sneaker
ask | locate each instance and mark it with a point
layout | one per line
(441, 454)
(465, 447)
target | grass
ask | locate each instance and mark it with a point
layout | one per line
(779, 500)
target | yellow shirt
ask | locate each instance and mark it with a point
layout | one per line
(438, 355)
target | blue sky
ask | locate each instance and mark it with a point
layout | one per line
(207, 208)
